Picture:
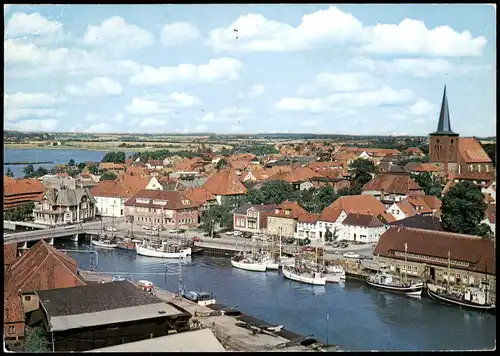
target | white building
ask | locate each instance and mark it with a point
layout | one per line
(490, 193)
(306, 226)
(360, 228)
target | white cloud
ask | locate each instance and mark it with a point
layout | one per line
(333, 27)
(253, 32)
(34, 24)
(338, 82)
(116, 118)
(233, 114)
(99, 86)
(152, 124)
(30, 113)
(422, 108)
(255, 91)
(30, 100)
(73, 61)
(101, 127)
(33, 125)
(116, 33)
(310, 123)
(344, 103)
(215, 69)
(178, 33)
(161, 104)
(413, 37)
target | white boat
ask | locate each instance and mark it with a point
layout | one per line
(470, 297)
(200, 298)
(104, 243)
(248, 264)
(286, 261)
(334, 274)
(303, 275)
(388, 282)
(162, 251)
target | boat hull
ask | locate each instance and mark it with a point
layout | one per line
(303, 279)
(272, 266)
(412, 291)
(335, 277)
(103, 244)
(255, 267)
(130, 246)
(143, 251)
(461, 304)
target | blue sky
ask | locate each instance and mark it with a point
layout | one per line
(353, 69)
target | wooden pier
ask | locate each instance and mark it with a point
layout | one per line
(227, 328)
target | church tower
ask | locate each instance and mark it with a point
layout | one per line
(443, 147)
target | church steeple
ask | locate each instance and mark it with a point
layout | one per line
(444, 125)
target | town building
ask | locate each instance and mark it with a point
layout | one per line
(389, 188)
(426, 222)
(413, 205)
(283, 220)
(18, 192)
(361, 228)
(463, 157)
(331, 218)
(299, 178)
(490, 193)
(414, 151)
(201, 197)
(42, 267)
(111, 195)
(252, 217)
(65, 206)
(471, 259)
(162, 209)
(58, 180)
(226, 187)
(157, 165)
(306, 226)
(106, 314)
(110, 166)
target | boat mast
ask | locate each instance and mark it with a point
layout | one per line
(406, 260)
(449, 264)
(280, 241)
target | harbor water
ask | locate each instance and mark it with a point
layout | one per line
(359, 318)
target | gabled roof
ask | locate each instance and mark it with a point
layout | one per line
(242, 210)
(225, 182)
(361, 204)
(422, 167)
(22, 186)
(406, 208)
(309, 218)
(299, 174)
(479, 252)
(125, 186)
(174, 200)
(426, 222)
(288, 209)
(364, 220)
(9, 253)
(42, 267)
(471, 151)
(392, 183)
(68, 197)
(199, 195)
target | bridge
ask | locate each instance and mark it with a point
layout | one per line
(11, 225)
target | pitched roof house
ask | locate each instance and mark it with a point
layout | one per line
(284, 219)
(392, 187)
(252, 217)
(17, 192)
(225, 186)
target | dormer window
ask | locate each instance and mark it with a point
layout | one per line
(143, 200)
(287, 212)
(276, 211)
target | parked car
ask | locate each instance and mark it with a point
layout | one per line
(230, 233)
(118, 278)
(111, 229)
(174, 231)
(216, 235)
(145, 227)
(247, 235)
(350, 255)
(181, 231)
(206, 234)
(196, 239)
(237, 233)
(69, 226)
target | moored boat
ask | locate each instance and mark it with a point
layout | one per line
(164, 250)
(200, 298)
(126, 244)
(103, 243)
(248, 263)
(390, 283)
(303, 275)
(470, 297)
(334, 274)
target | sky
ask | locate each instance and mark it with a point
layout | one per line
(344, 69)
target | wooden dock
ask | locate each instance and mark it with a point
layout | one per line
(224, 327)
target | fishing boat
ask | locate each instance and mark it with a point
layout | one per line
(104, 243)
(248, 262)
(468, 297)
(386, 281)
(334, 274)
(126, 244)
(163, 250)
(303, 274)
(200, 298)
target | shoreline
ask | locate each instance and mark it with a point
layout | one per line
(72, 148)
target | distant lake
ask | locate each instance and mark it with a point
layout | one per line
(48, 155)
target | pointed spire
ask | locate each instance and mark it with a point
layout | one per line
(444, 125)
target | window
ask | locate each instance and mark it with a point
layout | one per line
(12, 329)
(27, 298)
(123, 340)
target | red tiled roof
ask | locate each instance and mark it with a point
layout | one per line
(288, 209)
(361, 204)
(17, 192)
(320, 166)
(9, 253)
(299, 174)
(475, 250)
(406, 208)
(423, 167)
(175, 200)
(387, 217)
(308, 218)
(365, 220)
(344, 156)
(471, 151)
(42, 267)
(199, 195)
(392, 183)
(225, 182)
(414, 150)
(13, 312)
(124, 187)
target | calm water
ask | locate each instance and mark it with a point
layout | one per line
(360, 318)
(49, 155)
